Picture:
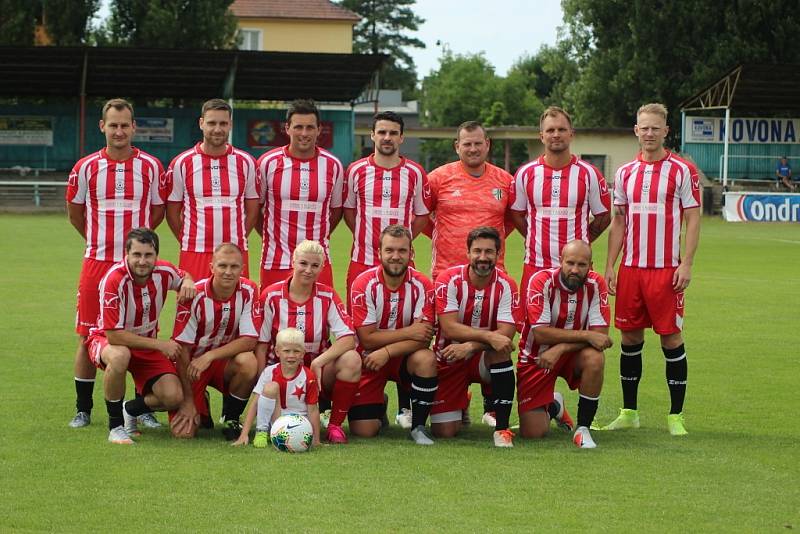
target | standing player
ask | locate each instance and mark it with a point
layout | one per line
(555, 195)
(393, 313)
(213, 195)
(565, 334)
(315, 309)
(382, 189)
(125, 339)
(109, 193)
(475, 305)
(301, 193)
(466, 194)
(652, 196)
(219, 331)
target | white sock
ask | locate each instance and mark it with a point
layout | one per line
(264, 416)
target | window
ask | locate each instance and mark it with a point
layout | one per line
(597, 160)
(249, 39)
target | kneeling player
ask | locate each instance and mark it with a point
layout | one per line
(565, 333)
(392, 308)
(315, 309)
(289, 382)
(133, 293)
(219, 331)
(475, 304)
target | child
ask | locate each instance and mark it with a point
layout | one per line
(288, 381)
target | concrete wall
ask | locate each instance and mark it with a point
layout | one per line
(289, 35)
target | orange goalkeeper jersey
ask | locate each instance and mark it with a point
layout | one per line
(461, 202)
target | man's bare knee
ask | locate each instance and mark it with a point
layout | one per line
(116, 358)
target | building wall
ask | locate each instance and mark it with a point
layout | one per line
(288, 35)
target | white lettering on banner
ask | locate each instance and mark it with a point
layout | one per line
(213, 202)
(116, 204)
(301, 205)
(743, 130)
(647, 208)
(378, 212)
(556, 212)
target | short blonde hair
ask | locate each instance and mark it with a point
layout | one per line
(309, 247)
(290, 336)
(554, 111)
(654, 108)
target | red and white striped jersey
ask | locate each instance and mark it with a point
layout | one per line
(297, 197)
(213, 190)
(318, 317)
(558, 203)
(126, 305)
(382, 197)
(296, 392)
(654, 195)
(373, 303)
(117, 195)
(478, 308)
(207, 323)
(550, 303)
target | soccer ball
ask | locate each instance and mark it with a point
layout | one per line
(291, 433)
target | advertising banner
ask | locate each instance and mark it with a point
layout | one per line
(36, 131)
(270, 133)
(762, 207)
(752, 130)
(154, 130)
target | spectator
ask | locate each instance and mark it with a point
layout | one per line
(783, 173)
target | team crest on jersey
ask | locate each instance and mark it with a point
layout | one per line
(305, 183)
(555, 188)
(497, 193)
(216, 183)
(119, 182)
(387, 192)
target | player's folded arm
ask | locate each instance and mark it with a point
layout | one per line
(372, 338)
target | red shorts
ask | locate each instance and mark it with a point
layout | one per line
(372, 383)
(528, 271)
(144, 365)
(535, 385)
(198, 264)
(214, 376)
(88, 305)
(454, 381)
(645, 299)
(279, 275)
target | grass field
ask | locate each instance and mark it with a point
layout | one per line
(737, 470)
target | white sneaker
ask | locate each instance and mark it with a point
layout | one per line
(583, 439)
(503, 438)
(563, 419)
(148, 420)
(324, 417)
(420, 436)
(403, 418)
(120, 436)
(131, 426)
(81, 420)
(489, 419)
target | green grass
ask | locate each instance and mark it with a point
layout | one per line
(737, 470)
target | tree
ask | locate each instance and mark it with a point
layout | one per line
(466, 88)
(548, 72)
(17, 22)
(384, 29)
(630, 52)
(67, 22)
(200, 24)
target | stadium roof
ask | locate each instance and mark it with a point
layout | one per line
(292, 9)
(190, 74)
(751, 87)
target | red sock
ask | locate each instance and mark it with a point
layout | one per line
(343, 395)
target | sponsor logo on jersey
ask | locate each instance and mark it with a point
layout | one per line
(111, 301)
